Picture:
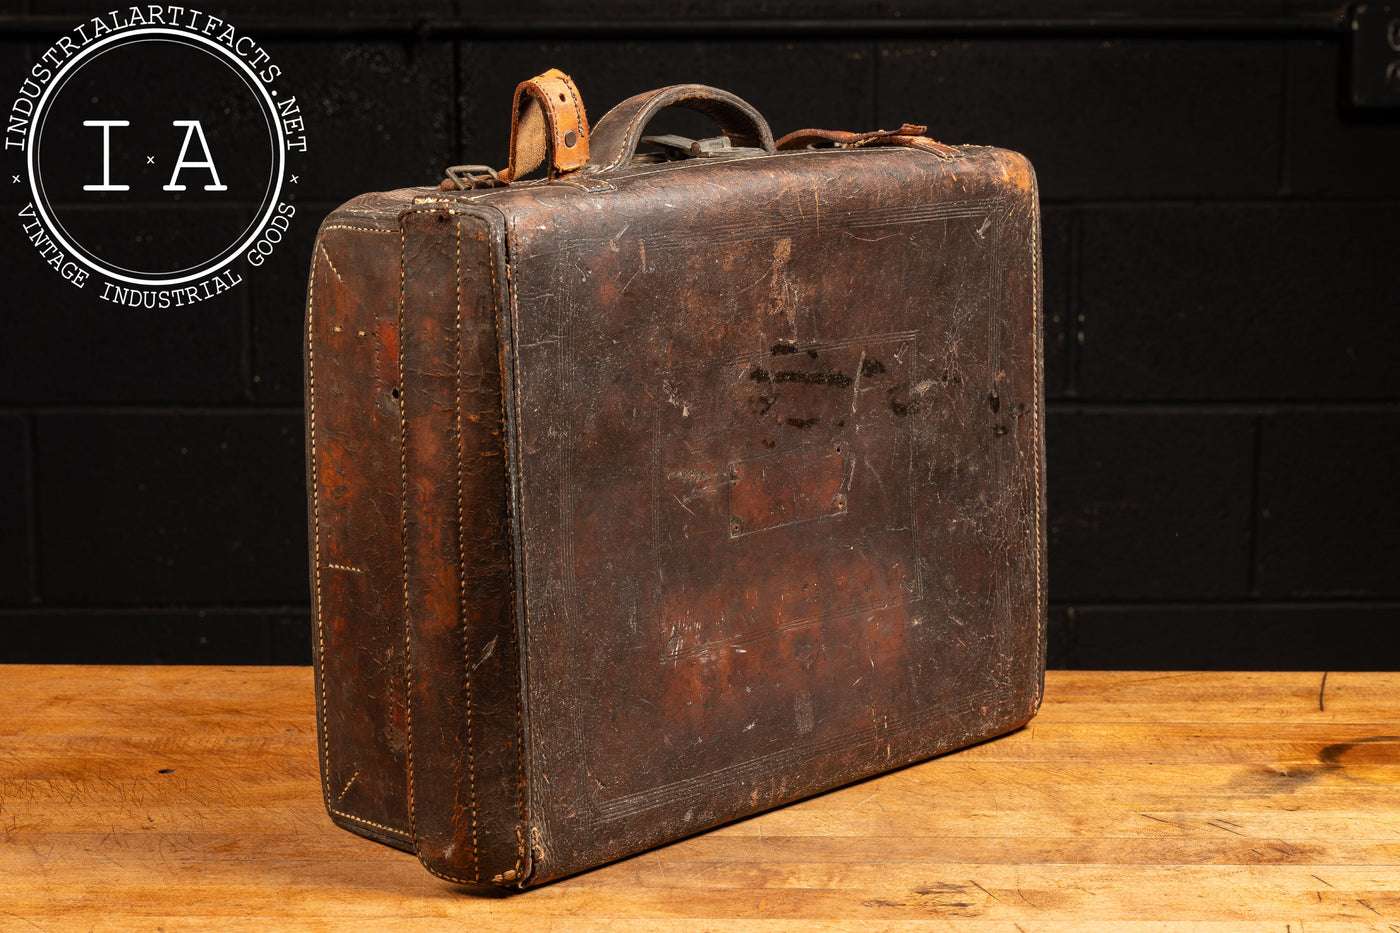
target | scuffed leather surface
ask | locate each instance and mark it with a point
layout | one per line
(838, 348)
(356, 546)
(882, 301)
(466, 769)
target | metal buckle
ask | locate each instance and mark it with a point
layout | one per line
(467, 177)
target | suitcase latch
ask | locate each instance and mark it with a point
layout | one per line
(675, 148)
(467, 177)
(694, 148)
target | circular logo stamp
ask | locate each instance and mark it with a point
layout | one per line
(159, 147)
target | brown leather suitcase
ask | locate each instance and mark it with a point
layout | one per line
(666, 489)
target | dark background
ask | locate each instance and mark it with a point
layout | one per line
(1222, 244)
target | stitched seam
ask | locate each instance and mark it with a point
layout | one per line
(657, 169)
(524, 594)
(594, 184)
(692, 164)
(520, 727)
(344, 790)
(546, 102)
(466, 195)
(403, 526)
(359, 819)
(645, 112)
(626, 135)
(316, 528)
(556, 137)
(462, 569)
(491, 305)
(1039, 480)
(574, 97)
(316, 531)
(334, 270)
(445, 876)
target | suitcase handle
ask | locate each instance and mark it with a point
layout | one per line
(615, 137)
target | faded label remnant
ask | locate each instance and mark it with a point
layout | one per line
(784, 489)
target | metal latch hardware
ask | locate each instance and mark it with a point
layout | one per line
(694, 148)
(676, 148)
(466, 177)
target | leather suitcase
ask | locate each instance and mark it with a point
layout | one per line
(666, 489)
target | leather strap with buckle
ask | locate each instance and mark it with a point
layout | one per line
(547, 122)
(909, 135)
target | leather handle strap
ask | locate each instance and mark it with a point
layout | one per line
(617, 135)
(908, 135)
(547, 122)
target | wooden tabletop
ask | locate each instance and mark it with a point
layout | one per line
(187, 798)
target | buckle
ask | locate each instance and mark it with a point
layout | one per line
(467, 177)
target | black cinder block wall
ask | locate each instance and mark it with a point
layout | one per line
(1222, 242)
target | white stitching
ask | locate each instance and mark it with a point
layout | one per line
(316, 531)
(495, 292)
(334, 270)
(403, 466)
(712, 104)
(359, 819)
(346, 789)
(524, 572)
(403, 522)
(1039, 479)
(576, 99)
(462, 567)
(647, 111)
(520, 726)
(316, 527)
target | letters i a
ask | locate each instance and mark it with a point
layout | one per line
(192, 129)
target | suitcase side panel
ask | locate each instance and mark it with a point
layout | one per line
(352, 415)
(780, 476)
(466, 767)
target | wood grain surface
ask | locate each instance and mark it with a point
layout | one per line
(187, 799)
